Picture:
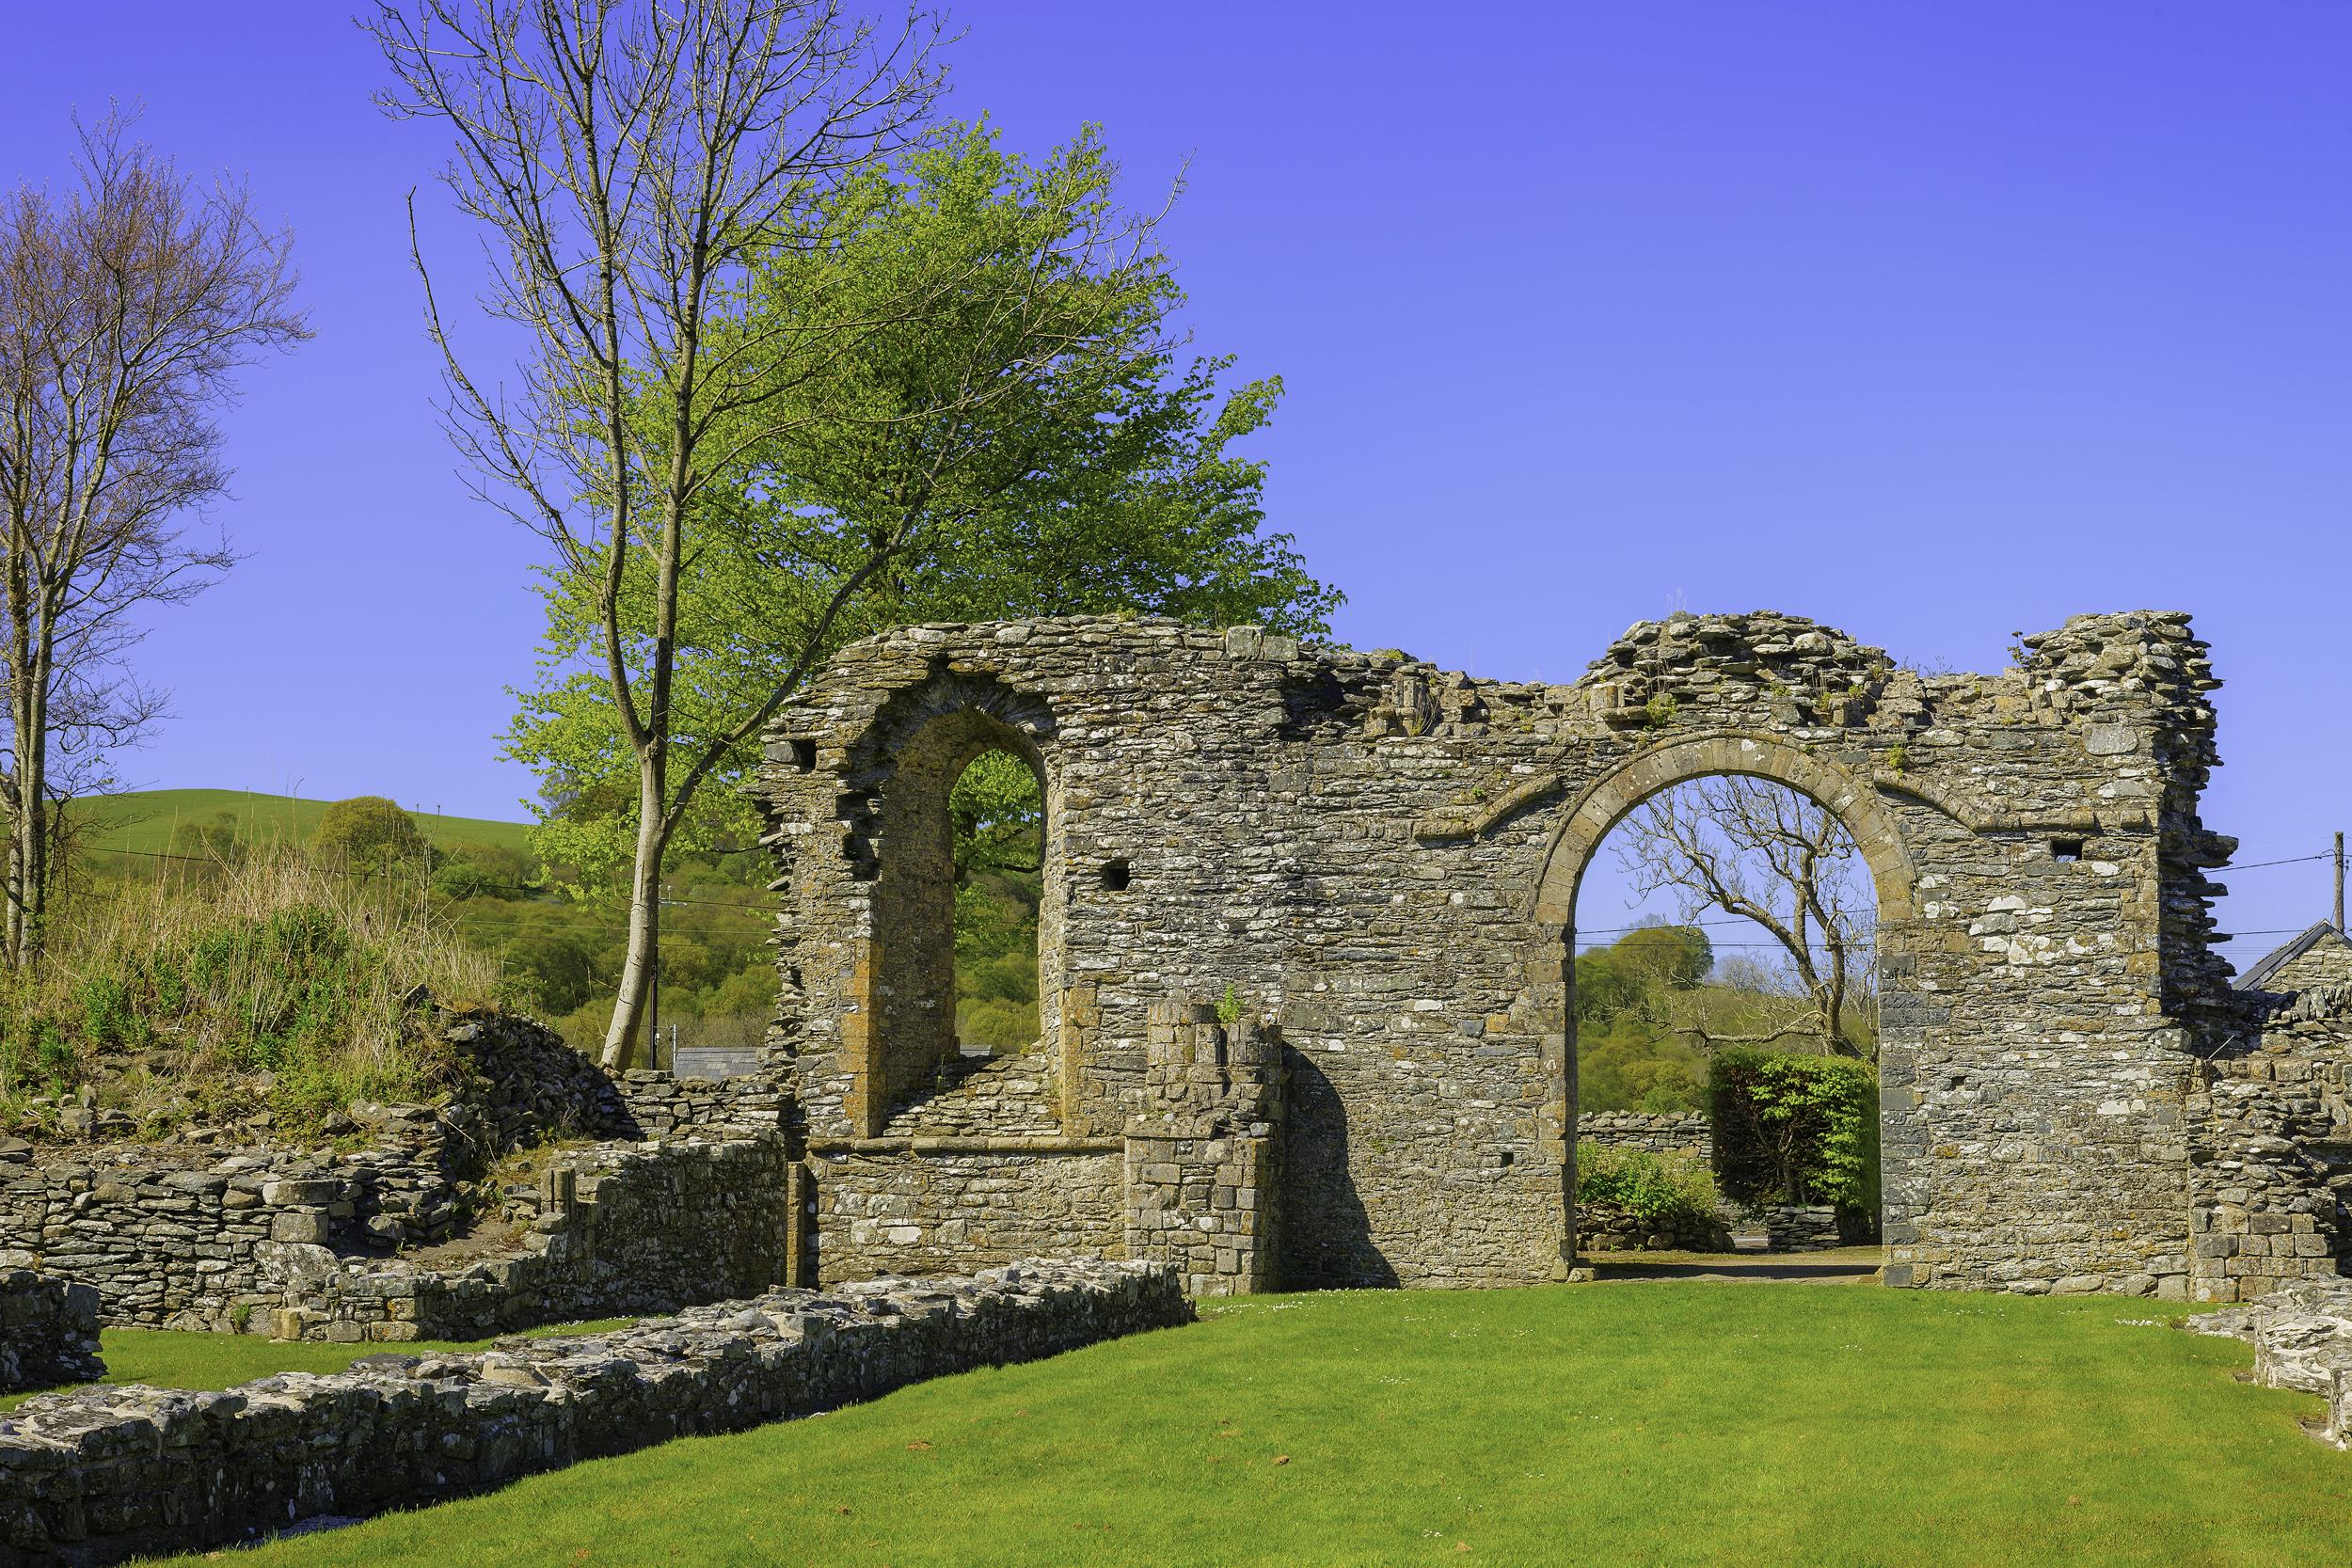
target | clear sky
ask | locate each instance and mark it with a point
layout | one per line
(1936, 324)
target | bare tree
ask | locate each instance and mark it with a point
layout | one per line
(629, 159)
(1759, 850)
(126, 308)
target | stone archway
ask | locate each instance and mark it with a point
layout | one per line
(1604, 803)
(1854, 801)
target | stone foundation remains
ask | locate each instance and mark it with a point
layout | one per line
(48, 1332)
(96, 1476)
(2270, 1155)
(2302, 1339)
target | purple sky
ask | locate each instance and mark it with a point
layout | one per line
(1933, 324)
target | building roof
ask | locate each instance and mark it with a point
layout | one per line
(2286, 952)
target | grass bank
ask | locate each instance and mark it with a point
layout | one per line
(264, 991)
(1656, 1423)
(143, 822)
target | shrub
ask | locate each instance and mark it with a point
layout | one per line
(1662, 1190)
(1795, 1129)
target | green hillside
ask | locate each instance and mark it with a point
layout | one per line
(144, 820)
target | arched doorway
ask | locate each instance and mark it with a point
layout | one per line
(1855, 803)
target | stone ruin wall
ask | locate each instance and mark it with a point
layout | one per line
(48, 1332)
(2271, 1150)
(1304, 957)
(98, 1475)
(1378, 858)
(691, 1198)
(263, 1242)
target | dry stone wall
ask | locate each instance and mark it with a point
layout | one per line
(658, 1105)
(1607, 1227)
(1380, 859)
(187, 1237)
(1685, 1132)
(48, 1332)
(269, 1241)
(611, 1231)
(97, 1476)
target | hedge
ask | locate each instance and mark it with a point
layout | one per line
(1792, 1129)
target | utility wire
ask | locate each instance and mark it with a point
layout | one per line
(2292, 859)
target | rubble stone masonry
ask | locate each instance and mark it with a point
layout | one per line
(99, 1475)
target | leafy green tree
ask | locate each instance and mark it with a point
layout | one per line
(218, 837)
(1014, 432)
(371, 833)
(1625, 1061)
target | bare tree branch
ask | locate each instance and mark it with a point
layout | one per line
(127, 305)
(1759, 850)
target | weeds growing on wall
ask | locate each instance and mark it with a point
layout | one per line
(176, 996)
(1662, 1190)
(1796, 1128)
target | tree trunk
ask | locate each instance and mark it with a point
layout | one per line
(645, 913)
(28, 830)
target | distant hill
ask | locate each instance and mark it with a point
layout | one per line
(143, 820)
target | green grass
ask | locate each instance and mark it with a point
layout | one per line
(1684, 1423)
(163, 1360)
(143, 820)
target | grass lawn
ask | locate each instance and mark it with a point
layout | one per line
(1679, 1422)
(143, 820)
(164, 1359)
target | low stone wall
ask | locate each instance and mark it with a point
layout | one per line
(48, 1332)
(948, 1206)
(1606, 1227)
(1804, 1227)
(661, 1106)
(620, 1229)
(2302, 1339)
(287, 1243)
(194, 1237)
(96, 1476)
(1671, 1133)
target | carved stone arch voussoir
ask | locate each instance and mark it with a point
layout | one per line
(1853, 799)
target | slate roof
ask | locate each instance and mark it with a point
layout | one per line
(2285, 954)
